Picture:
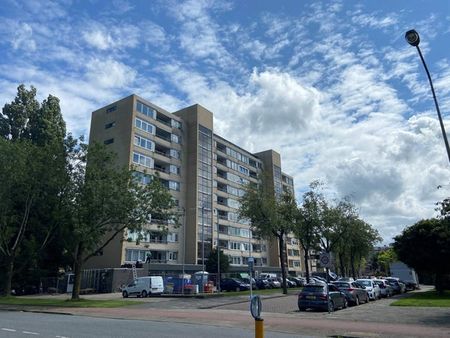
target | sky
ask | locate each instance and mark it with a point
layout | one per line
(330, 85)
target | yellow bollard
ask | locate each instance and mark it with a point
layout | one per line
(259, 328)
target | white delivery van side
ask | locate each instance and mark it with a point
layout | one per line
(144, 286)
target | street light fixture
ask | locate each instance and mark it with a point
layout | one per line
(413, 38)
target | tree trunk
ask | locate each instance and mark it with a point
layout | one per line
(352, 264)
(341, 265)
(9, 273)
(438, 283)
(77, 271)
(283, 263)
(306, 265)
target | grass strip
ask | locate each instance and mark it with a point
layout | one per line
(425, 299)
(23, 301)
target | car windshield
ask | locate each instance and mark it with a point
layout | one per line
(365, 282)
(313, 288)
(342, 285)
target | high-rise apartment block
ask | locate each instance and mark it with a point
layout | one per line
(206, 175)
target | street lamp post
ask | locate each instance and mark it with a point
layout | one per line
(218, 254)
(184, 249)
(413, 38)
(203, 244)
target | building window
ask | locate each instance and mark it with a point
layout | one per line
(111, 109)
(142, 160)
(174, 169)
(145, 126)
(175, 154)
(173, 256)
(146, 110)
(144, 143)
(175, 138)
(142, 178)
(174, 185)
(109, 141)
(110, 125)
(176, 124)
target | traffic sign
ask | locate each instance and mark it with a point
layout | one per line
(325, 259)
(256, 307)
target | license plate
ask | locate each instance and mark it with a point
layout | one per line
(310, 297)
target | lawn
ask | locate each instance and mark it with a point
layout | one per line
(426, 299)
(65, 303)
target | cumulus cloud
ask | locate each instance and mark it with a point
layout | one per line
(109, 73)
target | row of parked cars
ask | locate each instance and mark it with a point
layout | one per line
(346, 291)
(265, 281)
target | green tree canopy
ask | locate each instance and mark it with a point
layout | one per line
(425, 246)
(211, 263)
(270, 217)
(106, 200)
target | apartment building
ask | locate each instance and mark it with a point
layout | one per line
(206, 175)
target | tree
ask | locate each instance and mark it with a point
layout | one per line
(211, 263)
(15, 115)
(308, 223)
(425, 247)
(24, 174)
(37, 133)
(270, 217)
(385, 258)
(106, 200)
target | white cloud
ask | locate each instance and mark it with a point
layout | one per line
(23, 38)
(109, 73)
(111, 36)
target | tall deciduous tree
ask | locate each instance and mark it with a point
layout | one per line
(308, 223)
(37, 133)
(425, 246)
(107, 200)
(270, 217)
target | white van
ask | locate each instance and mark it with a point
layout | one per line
(144, 286)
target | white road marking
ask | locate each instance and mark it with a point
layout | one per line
(28, 332)
(61, 337)
(10, 330)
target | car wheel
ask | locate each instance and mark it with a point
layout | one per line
(356, 301)
(144, 294)
(331, 306)
(345, 304)
(367, 299)
(124, 294)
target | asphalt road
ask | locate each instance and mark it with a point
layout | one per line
(23, 324)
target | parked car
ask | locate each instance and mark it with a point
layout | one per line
(345, 279)
(274, 283)
(385, 289)
(354, 292)
(263, 284)
(299, 280)
(316, 280)
(290, 283)
(314, 296)
(372, 288)
(247, 281)
(396, 285)
(144, 286)
(233, 284)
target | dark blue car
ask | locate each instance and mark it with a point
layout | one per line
(314, 296)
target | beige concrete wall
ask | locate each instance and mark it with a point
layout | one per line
(192, 116)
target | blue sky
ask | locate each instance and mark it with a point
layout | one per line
(331, 85)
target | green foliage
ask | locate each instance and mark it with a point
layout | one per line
(211, 263)
(385, 258)
(425, 246)
(34, 160)
(270, 217)
(106, 200)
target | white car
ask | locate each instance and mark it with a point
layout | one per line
(144, 286)
(372, 288)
